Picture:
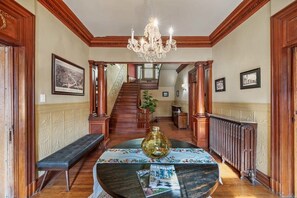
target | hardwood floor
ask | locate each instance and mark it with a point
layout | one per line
(82, 186)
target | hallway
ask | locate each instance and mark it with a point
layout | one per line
(82, 186)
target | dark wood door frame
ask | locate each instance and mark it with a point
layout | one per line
(192, 94)
(17, 29)
(283, 39)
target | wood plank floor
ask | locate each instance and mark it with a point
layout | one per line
(82, 185)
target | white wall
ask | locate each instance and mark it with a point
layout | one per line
(125, 55)
(246, 48)
(277, 5)
(52, 36)
(28, 4)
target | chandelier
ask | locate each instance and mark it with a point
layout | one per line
(150, 47)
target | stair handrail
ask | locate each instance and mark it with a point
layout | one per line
(143, 114)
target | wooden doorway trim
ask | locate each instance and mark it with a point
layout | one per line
(17, 29)
(283, 39)
(192, 95)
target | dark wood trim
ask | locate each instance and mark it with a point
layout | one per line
(169, 118)
(181, 67)
(282, 100)
(246, 9)
(68, 18)
(263, 178)
(20, 33)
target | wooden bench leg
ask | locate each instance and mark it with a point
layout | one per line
(41, 185)
(67, 180)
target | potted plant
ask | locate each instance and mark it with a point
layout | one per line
(149, 102)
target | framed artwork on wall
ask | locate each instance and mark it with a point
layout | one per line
(67, 78)
(220, 85)
(250, 79)
(165, 94)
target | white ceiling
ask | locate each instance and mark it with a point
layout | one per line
(117, 17)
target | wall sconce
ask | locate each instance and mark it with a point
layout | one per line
(184, 87)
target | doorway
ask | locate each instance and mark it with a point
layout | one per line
(283, 101)
(6, 121)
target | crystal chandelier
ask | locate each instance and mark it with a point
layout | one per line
(150, 47)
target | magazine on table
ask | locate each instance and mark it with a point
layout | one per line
(163, 176)
(143, 177)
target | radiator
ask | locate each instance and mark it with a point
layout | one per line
(235, 142)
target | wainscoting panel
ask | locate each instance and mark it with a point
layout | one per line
(58, 125)
(259, 113)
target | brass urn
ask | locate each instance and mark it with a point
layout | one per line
(156, 145)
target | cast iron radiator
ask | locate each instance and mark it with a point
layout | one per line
(235, 142)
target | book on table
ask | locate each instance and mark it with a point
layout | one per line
(159, 181)
(143, 177)
(163, 176)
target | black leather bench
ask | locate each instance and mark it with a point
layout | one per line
(68, 156)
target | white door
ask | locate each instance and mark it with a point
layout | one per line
(6, 122)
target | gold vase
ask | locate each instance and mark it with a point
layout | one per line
(156, 145)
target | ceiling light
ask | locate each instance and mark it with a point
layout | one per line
(150, 47)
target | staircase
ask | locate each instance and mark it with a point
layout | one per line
(125, 116)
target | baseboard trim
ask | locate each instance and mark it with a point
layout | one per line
(263, 178)
(164, 117)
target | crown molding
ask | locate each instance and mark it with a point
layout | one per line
(246, 9)
(65, 15)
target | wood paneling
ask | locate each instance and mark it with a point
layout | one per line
(282, 99)
(262, 178)
(21, 35)
(238, 16)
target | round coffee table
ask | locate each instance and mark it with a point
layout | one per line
(120, 180)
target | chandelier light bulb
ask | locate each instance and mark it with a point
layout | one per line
(132, 34)
(142, 41)
(156, 23)
(170, 34)
(150, 47)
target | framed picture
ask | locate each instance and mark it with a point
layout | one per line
(165, 94)
(220, 85)
(177, 93)
(67, 78)
(250, 79)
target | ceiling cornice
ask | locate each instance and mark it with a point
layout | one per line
(247, 8)
(59, 9)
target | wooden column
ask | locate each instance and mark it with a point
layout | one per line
(200, 121)
(98, 121)
(101, 108)
(91, 87)
(200, 88)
